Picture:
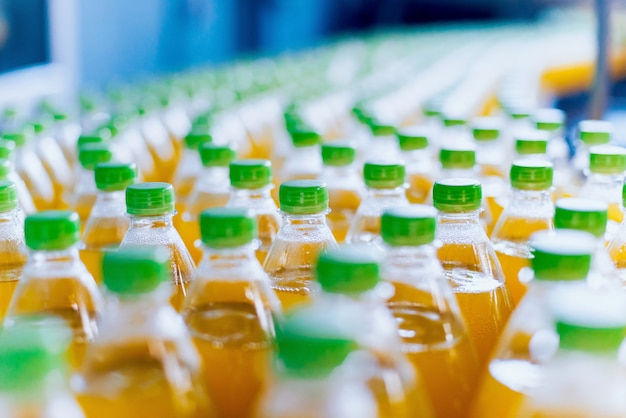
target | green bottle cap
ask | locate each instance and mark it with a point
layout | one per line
(595, 132)
(460, 158)
(432, 107)
(213, 155)
(7, 149)
(91, 139)
(8, 196)
(549, 119)
(304, 332)
(581, 214)
(348, 270)
(303, 197)
(450, 119)
(199, 135)
(607, 159)
(518, 111)
(18, 138)
(383, 175)
(28, 355)
(457, 195)
(37, 127)
(381, 128)
(150, 199)
(531, 143)
(338, 154)
(5, 168)
(563, 254)
(90, 155)
(531, 175)
(250, 174)
(593, 322)
(227, 227)
(486, 128)
(114, 176)
(409, 226)
(136, 270)
(414, 138)
(303, 136)
(52, 230)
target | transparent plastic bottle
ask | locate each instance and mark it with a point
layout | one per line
(585, 378)
(55, 282)
(85, 192)
(470, 262)
(251, 182)
(107, 223)
(33, 375)
(530, 209)
(304, 161)
(190, 165)
(385, 189)
(561, 259)
(415, 152)
(590, 216)
(455, 131)
(12, 251)
(309, 384)
(31, 170)
(151, 208)
(157, 138)
(302, 236)
(349, 278)
(211, 190)
(382, 143)
(124, 131)
(230, 311)
(143, 361)
(345, 187)
(605, 179)
(490, 147)
(8, 172)
(434, 335)
(591, 133)
(531, 144)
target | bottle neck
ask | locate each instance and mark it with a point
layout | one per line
(229, 257)
(606, 180)
(308, 219)
(394, 193)
(155, 221)
(12, 215)
(472, 216)
(338, 172)
(262, 193)
(117, 197)
(527, 196)
(63, 256)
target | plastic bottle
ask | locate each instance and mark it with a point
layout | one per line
(317, 372)
(591, 133)
(143, 361)
(85, 191)
(470, 263)
(151, 208)
(190, 165)
(8, 172)
(12, 251)
(434, 335)
(124, 130)
(345, 187)
(385, 189)
(531, 144)
(414, 146)
(530, 209)
(349, 278)
(589, 216)
(33, 376)
(585, 378)
(107, 223)
(230, 311)
(251, 182)
(304, 161)
(55, 282)
(31, 170)
(303, 235)
(605, 179)
(211, 190)
(455, 131)
(561, 259)
(490, 147)
(156, 137)
(382, 143)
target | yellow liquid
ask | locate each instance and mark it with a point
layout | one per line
(268, 225)
(182, 275)
(420, 186)
(64, 297)
(437, 345)
(229, 324)
(12, 260)
(189, 226)
(83, 207)
(141, 379)
(511, 266)
(495, 400)
(484, 301)
(58, 170)
(38, 182)
(615, 213)
(343, 205)
(105, 233)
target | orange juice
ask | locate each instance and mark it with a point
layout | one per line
(12, 254)
(615, 213)
(161, 148)
(231, 324)
(56, 166)
(419, 186)
(343, 205)
(102, 234)
(38, 181)
(496, 399)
